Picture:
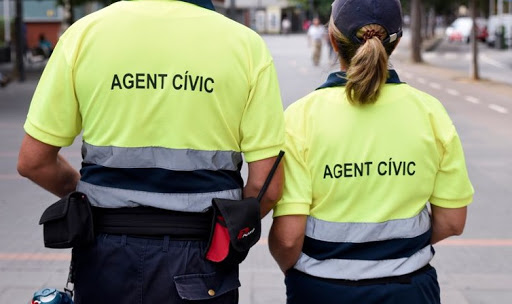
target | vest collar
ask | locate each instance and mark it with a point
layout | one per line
(339, 79)
(202, 3)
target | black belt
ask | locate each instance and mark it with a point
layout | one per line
(402, 279)
(152, 222)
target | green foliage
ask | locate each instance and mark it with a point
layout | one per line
(321, 8)
(441, 7)
(446, 7)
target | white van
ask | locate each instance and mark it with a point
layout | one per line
(460, 29)
(493, 26)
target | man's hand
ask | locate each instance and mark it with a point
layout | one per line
(286, 239)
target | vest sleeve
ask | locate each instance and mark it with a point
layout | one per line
(452, 187)
(262, 125)
(54, 116)
(297, 192)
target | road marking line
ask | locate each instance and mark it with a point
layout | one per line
(453, 92)
(429, 55)
(421, 80)
(498, 109)
(25, 256)
(65, 154)
(453, 242)
(450, 55)
(303, 71)
(10, 177)
(435, 85)
(260, 270)
(10, 125)
(492, 62)
(472, 99)
(476, 242)
(407, 75)
(8, 154)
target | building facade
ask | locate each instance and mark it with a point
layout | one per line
(263, 16)
(44, 17)
(41, 17)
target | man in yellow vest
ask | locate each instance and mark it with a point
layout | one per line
(169, 96)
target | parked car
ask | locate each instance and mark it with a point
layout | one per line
(460, 29)
(496, 24)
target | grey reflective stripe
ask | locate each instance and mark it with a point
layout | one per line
(188, 202)
(163, 158)
(368, 232)
(363, 269)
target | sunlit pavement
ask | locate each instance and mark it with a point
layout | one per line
(473, 268)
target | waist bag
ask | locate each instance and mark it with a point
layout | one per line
(236, 225)
(68, 223)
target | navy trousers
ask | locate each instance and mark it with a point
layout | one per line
(124, 269)
(423, 288)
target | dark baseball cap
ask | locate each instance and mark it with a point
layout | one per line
(351, 15)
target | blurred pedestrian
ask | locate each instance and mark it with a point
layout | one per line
(316, 36)
(366, 154)
(45, 46)
(166, 126)
(286, 25)
(4, 80)
(305, 25)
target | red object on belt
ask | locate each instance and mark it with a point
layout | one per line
(219, 247)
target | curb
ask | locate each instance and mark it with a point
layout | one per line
(431, 44)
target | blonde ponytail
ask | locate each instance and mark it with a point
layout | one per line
(367, 63)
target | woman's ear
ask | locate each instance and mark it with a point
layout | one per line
(333, 43)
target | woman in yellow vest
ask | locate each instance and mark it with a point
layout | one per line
(366, 154)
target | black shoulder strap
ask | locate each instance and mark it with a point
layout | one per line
(270, 175)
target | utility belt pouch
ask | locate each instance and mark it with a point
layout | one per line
(236, 226)
(68, 223)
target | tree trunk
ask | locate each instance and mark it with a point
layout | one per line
(21, 42)
(232, 10)
(433, 23)
(474, 73)
(416, 31)
(68, 15)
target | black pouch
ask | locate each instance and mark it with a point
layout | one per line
(68, 223)
(236, 226)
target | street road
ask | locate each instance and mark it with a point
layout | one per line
(473, 268)
(493, 63)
